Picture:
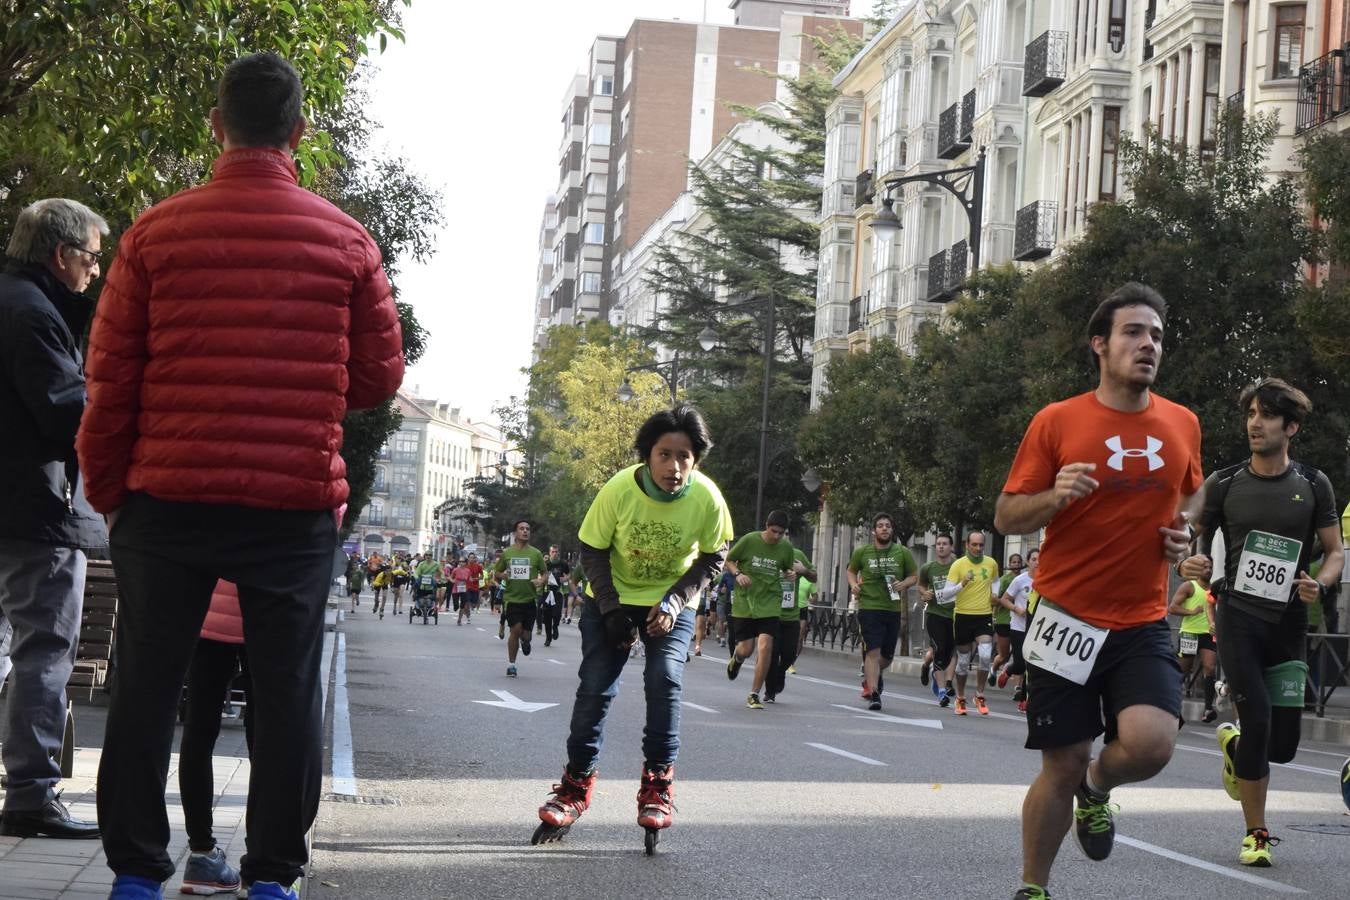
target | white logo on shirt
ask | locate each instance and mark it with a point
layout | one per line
(1118, 453)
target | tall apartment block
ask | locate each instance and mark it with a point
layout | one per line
(645, 105)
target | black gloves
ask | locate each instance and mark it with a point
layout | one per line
(619, 630)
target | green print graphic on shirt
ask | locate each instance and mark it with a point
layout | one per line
(653, 549)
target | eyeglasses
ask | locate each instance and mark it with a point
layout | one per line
(95, 256)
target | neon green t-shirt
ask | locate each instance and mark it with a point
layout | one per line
(877, 567)
(521, 568)
(652, 543)
(766, 564)
(974, 598)
(1003, 615)
(798, 592)
(1199, 622)
(933, 575)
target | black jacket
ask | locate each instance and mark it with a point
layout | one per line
(41, 398)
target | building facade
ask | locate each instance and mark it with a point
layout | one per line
(647, 103)
(432, 458)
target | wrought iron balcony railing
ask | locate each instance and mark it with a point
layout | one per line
(864, 189)
(937, 277)
(1043, 69)
(958, 259)
(950, 143)
(967, 117)
(1034, 237)
(855, 311)
(1323, 90)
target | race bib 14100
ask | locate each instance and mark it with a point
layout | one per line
(1061, 643)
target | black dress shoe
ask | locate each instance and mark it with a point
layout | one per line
(52, 820)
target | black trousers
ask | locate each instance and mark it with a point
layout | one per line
(214, 665)
(168, 556)
(551, 616)
(784, 655)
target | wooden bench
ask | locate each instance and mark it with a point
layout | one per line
(99, 620)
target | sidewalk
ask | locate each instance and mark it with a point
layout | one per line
(47, 869)
(1333, 728)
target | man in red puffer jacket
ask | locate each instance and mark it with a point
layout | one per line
(239, 323)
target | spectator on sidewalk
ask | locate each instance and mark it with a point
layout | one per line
(212, 443)
(46, 525)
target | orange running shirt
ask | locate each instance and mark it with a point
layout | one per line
(1102, 559)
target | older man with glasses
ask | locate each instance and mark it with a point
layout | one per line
(46, 525)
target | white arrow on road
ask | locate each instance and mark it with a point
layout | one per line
(922, 723)
(508, 700)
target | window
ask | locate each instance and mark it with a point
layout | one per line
(1110, 142)
(1209, 113)
(590, 282)
(1186, 57)
(1288, 40)
(595, 233)
(627, 70)
(596, 184)
(600, 134)
(621, 171)
(604, 85)
(1115, 26)
(623, 122)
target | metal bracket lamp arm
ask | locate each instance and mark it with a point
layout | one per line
(965, 183)
(668, 370)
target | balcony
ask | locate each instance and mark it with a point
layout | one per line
(967, 117)
(1044, 67)
(958, 258)
(1034, 237)
(950, 144)
(855, 313)
(864, 188)
(1323, 90)
(937, 278)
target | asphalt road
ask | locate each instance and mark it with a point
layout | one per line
(811, 797)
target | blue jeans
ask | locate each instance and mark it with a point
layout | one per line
(601, 665)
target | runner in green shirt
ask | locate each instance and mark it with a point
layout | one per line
(937, 622)
(758, 560)
(1193, 601)
(785, 643)
(520, 569)
(879, 573)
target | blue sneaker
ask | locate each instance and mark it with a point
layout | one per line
(132, 887)
(273, 891)
(209, 873)
(937, 691)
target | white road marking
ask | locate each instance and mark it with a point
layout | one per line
(508, 700)
(706, 709)
(923, 701)
(1257, 880)
(882, 717)
(557, 662)
(480, 629)
(844, 753)
(344, 766)
(1297, 767)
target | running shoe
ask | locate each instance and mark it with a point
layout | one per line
(1094, 824)
(698, 651)
(133, 887)
(1209, 716)
(768, 698)
(1022, 705)
(980, 705)
(946, 699)
(1003, 678)
(274, 891)
(937, 689)
(874, 702)
(923, 673)
(501, 632)
(525, 646)
(209, 873)
(510, 671)
(792, 669)
(752, 702)
(1256, 848)
(866, 691)
(1226, 734)
(548, 642)
(733, 666)
(1032, 892)
(960, 706)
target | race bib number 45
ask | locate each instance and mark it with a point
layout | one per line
(1060, 643)
(1266, 567)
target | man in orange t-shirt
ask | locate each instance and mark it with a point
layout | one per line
(1112, 475)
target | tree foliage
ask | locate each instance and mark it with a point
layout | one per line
(1224, 244)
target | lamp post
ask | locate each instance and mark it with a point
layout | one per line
(708, 339)
(668, 370)
(965, 183)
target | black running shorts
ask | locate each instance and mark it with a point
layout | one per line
(520, 614)
(965, 629)
(1136, 667)
(880, 630)
(746, 629)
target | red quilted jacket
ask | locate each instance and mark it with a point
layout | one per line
(224, 622)
(239, 322)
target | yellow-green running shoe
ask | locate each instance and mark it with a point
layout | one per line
(1256, 848)
(1225, 734)
(753, 702)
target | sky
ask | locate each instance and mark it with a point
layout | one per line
(472, 99)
